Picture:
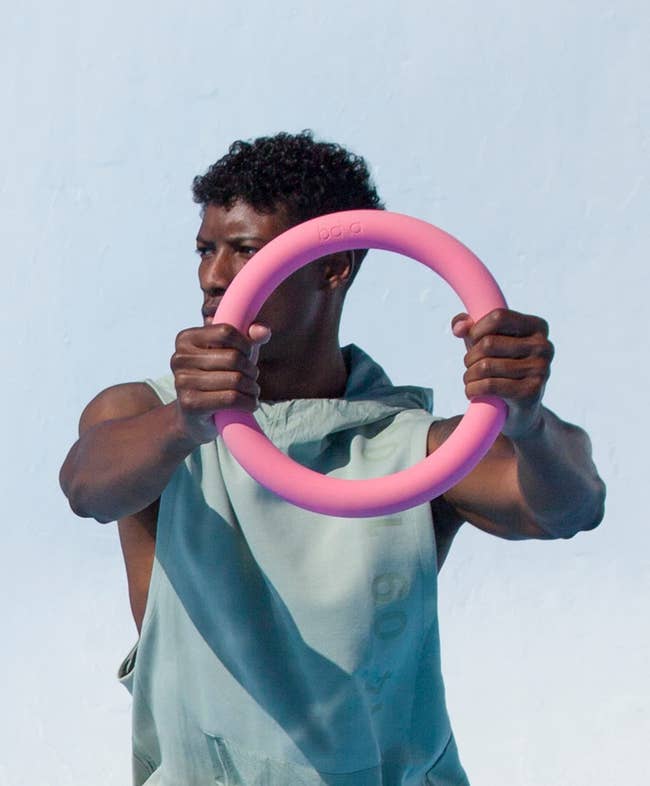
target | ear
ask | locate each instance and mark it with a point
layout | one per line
(337, 269)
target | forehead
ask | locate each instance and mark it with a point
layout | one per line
(241, 220)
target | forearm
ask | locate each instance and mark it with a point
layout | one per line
(558, 481)
(119, 467)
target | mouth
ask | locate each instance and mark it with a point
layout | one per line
(209, 310)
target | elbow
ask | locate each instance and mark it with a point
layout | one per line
(78, 507)
(69, 483)
(74, 493)
(584, 517)
(69, 488)
(74, 484)
(593, 511)
(76, 502)
(597, 510)
(85, 511)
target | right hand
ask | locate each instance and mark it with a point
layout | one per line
(215, 368)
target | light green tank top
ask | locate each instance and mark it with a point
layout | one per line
(283, 647)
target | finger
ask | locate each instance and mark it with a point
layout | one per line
(214, 360)
(510, 347)
(217, 336)
(197, 402)
(259, 334)
(506, 368)
(216, 382)
(505, 322)
(461, 324)
(527, 389)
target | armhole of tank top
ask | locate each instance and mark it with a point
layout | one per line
(126, 669)
(422, 515)
(162, 533)
(160, 389)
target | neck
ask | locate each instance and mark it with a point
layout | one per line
(318, 371)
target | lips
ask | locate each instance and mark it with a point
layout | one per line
(209, 309)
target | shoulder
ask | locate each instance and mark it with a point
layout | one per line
(440, 430)
(119, 401)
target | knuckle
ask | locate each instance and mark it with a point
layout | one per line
(225, 331)
(183, 338)
(537, 348)
(541, 347)
(178, 362)
(229, 398)
(482, 387)
(180, 380)
(484, 367)
(488, 344)
(187, 399)
(490, 386)
(550, 350)
(496, 316)
(538, 367)
(232, 360)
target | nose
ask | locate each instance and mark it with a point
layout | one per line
(217, 270)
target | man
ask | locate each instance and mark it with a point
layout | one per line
(278, 646)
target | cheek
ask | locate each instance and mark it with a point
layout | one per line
(292, 304)
(280, 311)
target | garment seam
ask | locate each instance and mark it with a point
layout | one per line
(144, 760)
(441, 756)
(281, 762)
(425, 575)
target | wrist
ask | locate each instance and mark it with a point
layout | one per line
(522, 425)
(183, 439)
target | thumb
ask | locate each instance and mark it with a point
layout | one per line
(461, 324)
(259, 335)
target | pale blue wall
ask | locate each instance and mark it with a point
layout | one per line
(524, 130)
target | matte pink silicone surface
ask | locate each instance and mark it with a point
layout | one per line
(301, 244)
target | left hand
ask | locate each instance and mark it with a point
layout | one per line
(508, 355)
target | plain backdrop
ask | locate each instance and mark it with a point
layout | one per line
(521, 128)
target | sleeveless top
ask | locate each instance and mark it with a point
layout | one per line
(283, 647)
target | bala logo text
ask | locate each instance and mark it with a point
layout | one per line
(337, 231)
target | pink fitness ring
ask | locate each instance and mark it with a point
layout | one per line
(316, 238)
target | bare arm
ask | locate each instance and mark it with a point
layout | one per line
(446, 523)
(542, 486)
(130, 444)
(138, 530)
(128, 448)
(538, 480)
(138, 542)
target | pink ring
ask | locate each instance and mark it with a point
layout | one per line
(316, 238)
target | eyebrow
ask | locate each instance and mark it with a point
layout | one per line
(233, 240)
(203, 241)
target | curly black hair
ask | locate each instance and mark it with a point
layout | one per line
(294, 172)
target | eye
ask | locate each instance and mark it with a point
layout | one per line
(203, 251)
(247, 250)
